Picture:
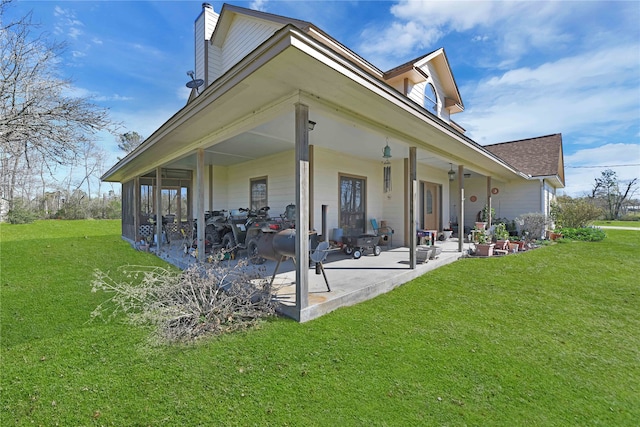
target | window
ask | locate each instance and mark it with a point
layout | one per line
(430, 98)
(258, 193)
(352, 204)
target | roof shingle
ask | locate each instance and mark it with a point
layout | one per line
(541, 156)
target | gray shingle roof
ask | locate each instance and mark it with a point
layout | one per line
(541, 156)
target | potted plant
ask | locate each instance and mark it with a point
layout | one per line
(484, 247)
(488, 214)
(554, 236)
(446, 233)
(501, 235)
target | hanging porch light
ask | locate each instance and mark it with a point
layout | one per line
(451, 173)
(386, 155)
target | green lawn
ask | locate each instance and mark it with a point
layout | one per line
(635, 224)
(549, 337)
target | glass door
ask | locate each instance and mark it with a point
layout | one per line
(352, 204)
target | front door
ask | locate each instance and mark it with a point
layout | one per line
(352, 204)
(430, 205)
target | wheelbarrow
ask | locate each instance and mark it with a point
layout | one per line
(356, 246)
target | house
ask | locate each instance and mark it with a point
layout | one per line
(281, 113)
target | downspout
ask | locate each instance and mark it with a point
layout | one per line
(489, 202)
(461, 208)
(543, 206)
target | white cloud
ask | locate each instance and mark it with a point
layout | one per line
(67, 24)
(597, 91)
(259, 5)
(513, 28)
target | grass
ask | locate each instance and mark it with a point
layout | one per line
(548, 337)
(635, 224)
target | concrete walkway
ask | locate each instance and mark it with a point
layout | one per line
(353, 281)
(615, 227)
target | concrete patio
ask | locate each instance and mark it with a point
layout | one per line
(351, 280)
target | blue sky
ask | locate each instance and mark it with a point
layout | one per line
(524, 68)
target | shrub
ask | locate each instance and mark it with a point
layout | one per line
(574, 213)
(20, 213)
(585, 234)
(186, 305)
(630, 217)
(532, 225)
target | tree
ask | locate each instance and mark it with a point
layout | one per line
(129, 141)
(574, 213)
(39, 122)
(608, 194)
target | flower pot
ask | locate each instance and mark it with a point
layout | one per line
(521, 245)
(446, 234)
(514, 247)
(502, 244)
(481, 225)
(484, 249)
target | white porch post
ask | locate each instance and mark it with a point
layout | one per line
(489, 202)
(412, 206)
(200, 202)
(136, 207)
(158, 191)
(461, 208)
(302, 207)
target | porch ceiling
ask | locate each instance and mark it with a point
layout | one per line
(248, 114)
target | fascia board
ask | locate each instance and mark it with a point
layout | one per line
(232, 78)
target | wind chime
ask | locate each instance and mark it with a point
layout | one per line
(386, 155)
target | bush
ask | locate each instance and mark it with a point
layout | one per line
(532, 225)
(574, 213)
(189, 304)
(20, 213)
(585, 234)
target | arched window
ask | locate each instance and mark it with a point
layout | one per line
(430, 98)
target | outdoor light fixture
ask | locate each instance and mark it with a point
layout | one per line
(386, 155)
(312, 125)
(451, 173)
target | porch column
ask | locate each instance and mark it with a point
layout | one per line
(412, 206)
(461, 208)
(136, 207)
(302, 207)
(312, 216)
(200, 203)
(158, 208)
(489, 202)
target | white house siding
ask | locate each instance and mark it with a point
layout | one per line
(215, 63)
(203, 28)
(199, 47)
(328, 165)
(417, 92)
(245, 34)
(513, 199)
(279, 170)
(218, 197)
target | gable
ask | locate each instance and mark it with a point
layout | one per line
(244, 35)
(417, 78)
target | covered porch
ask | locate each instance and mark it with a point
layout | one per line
(255, 127)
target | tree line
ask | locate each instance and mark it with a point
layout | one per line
(50, 163)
